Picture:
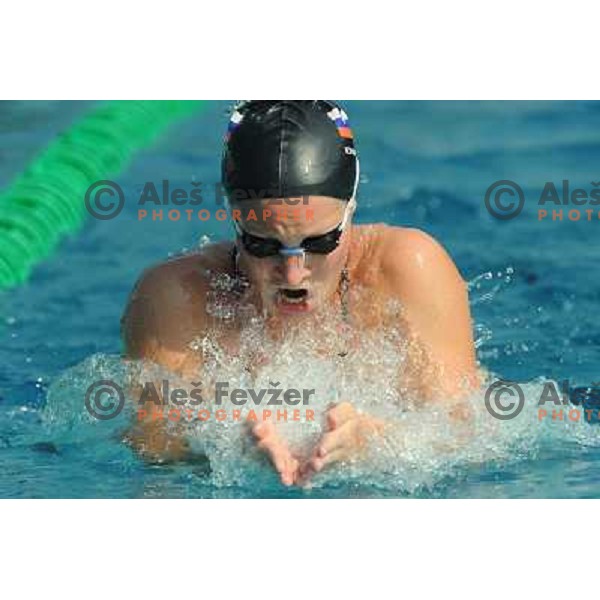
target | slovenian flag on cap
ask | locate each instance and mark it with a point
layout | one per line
(340, 118)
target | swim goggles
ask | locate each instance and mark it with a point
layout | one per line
(325, 243)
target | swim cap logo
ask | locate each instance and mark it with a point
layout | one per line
(340, 118)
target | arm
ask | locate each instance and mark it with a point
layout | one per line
(156, 328)
(421, 274)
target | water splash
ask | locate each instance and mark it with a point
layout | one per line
(422, 447)
(486, 286)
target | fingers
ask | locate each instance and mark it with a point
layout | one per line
(306, 470)
(340, 414)
(334, 446)
(318, 463)
(345, 442)
(337, 438)
(280, 455)
(285, 464)
(263, 430)
(341, 442)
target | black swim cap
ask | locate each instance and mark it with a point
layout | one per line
(289, 148)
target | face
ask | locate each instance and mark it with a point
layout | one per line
(294, 285)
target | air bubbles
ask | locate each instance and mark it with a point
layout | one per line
(219, 309)
(489, 284)
(195, 345)
(204, 241)
(482, 335)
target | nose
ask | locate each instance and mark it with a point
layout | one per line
(293, 270)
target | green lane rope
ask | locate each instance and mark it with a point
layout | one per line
(46, 201)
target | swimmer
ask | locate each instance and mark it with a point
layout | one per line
(294, 270)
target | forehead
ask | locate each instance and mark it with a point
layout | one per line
(295, 217)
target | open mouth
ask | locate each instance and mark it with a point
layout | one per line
(292, 296)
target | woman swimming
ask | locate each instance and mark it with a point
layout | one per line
(297, 272)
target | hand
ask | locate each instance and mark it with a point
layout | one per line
(347, 434)
(277, 450)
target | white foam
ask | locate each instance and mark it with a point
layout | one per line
(422, 445)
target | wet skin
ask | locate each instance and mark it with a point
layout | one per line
(166, 311)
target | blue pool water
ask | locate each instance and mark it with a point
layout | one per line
(424, 164)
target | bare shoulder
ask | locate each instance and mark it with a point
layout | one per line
(414, 268)
(183, 276)
(412, 262)
(166, 305)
